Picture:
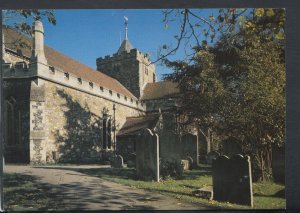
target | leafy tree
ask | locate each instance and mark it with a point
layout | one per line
(21, 21)
(236, 86)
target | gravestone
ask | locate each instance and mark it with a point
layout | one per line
(191, 161)
(232, 179)
(147, 155)
(190, 147)
(170, 146)
(185, 165)
(278, 164)
(117, 162)
(211, 156)
(131, 160)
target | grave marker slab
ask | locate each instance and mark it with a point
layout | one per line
(147, 155)
(190, 147)
(232, 179)
(118, 162)
(212, 156)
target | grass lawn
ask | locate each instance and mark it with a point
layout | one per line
(267, 195)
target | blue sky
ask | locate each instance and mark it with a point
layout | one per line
(88, 34)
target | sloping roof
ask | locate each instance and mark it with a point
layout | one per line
(161, 89)
(135, 124)
(67, 64)
(126, 46)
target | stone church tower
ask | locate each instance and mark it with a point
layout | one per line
(129, 66)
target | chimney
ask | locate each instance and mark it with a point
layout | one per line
(38, 54)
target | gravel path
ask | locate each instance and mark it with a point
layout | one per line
(78, 191)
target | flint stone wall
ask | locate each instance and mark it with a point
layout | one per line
(73, 122)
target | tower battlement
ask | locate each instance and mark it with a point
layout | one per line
(129, 66)
(134, 53)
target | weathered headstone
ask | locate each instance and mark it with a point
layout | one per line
(185, 165)
(211, 156)
(117, 162)
(232, 179)
(147, 155)
(170, 146)
(191, 161)
(190, 147)
(278, 164)
(131, 160)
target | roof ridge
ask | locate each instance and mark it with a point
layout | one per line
(89, 73)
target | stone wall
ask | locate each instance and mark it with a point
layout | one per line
(37, 123)
(74, 123)
(12, 57)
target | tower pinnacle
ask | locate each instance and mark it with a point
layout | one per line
(126, 28)
(126, 45)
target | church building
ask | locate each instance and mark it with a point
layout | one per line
(60, 110)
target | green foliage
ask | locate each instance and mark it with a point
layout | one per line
(236, 87)
(21, 21)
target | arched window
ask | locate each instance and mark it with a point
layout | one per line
(108, 134)
(13, 123)
(104, 134)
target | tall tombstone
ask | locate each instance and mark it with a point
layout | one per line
(278, 164)
(212, 156)
(117, 162)
(232, 179)
(170, 146)
(147, 155)
(190, 147)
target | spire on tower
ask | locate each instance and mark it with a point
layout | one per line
(126, 45)
(126, 28)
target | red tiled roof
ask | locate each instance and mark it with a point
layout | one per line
(135, 124)
(67, 64)
(161, 89)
